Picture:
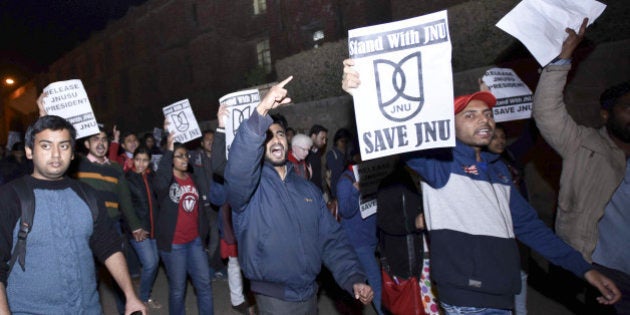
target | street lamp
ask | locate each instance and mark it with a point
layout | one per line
(9, 81)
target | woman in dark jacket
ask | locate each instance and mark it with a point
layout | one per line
(182, 228)
(145, 205)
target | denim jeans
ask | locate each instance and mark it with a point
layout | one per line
(148, 254)
(465, 310)
(182, 260)
(373, 272)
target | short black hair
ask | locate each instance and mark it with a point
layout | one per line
(142, 150)
(280, 120)
(18, 146)
(316, 129)
(342, 133)
(207, 131)
(51, 122)
(127, 134)
(609, 97)
(178, 145)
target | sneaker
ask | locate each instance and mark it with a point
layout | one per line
(220, 275)
(151, 303)
(242, 308)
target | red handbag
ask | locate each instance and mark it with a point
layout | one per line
(402, 297)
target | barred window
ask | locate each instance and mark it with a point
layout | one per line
(260, 6)
(264, 55)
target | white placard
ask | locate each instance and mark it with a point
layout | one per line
(540, 24)
(514, 98)
(405, 100)
(240, 106)
(182, 121)
(69, 100)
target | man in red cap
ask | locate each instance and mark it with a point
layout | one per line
(474, 214)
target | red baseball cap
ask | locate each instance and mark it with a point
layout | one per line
(462, 101)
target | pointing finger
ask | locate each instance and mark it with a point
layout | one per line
(287, 80)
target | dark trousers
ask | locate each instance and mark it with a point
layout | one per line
(271, 306)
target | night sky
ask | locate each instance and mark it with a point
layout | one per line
(35, 33)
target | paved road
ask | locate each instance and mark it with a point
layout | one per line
(537, 303)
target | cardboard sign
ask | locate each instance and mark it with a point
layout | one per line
(514, 98)
(405, 100)
(182, 121)
(240, 106)
(69, 100)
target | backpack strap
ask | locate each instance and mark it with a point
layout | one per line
(27, 205)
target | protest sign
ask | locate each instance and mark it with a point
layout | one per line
(405, 100)
(369, 175)
(514, 98)
(68, 99)
(182, 121)
(540, 24)
(240, 106)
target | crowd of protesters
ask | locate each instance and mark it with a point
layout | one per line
(281, 206)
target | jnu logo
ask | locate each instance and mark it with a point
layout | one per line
(239, 116)
(399, 87)
(180, 121)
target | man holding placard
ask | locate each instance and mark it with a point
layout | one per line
(474, 213)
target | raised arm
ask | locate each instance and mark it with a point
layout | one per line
(114, 146)
(164, 174)
(219, 160)
(549, 110)
(244, 165)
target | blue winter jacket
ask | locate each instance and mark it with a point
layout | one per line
(474, 213)
(283, 228)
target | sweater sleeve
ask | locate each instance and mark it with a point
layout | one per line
(126, 207)
(112, 154)
(530, 230)
(104, 241)
(549, 110)
(244, 165)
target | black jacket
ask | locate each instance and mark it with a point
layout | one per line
(143, 199)
(168, 210)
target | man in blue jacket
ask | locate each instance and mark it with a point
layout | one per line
(283, 228)
(474, 213)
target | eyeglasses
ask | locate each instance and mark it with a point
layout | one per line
(303, 148)
(181, 156)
